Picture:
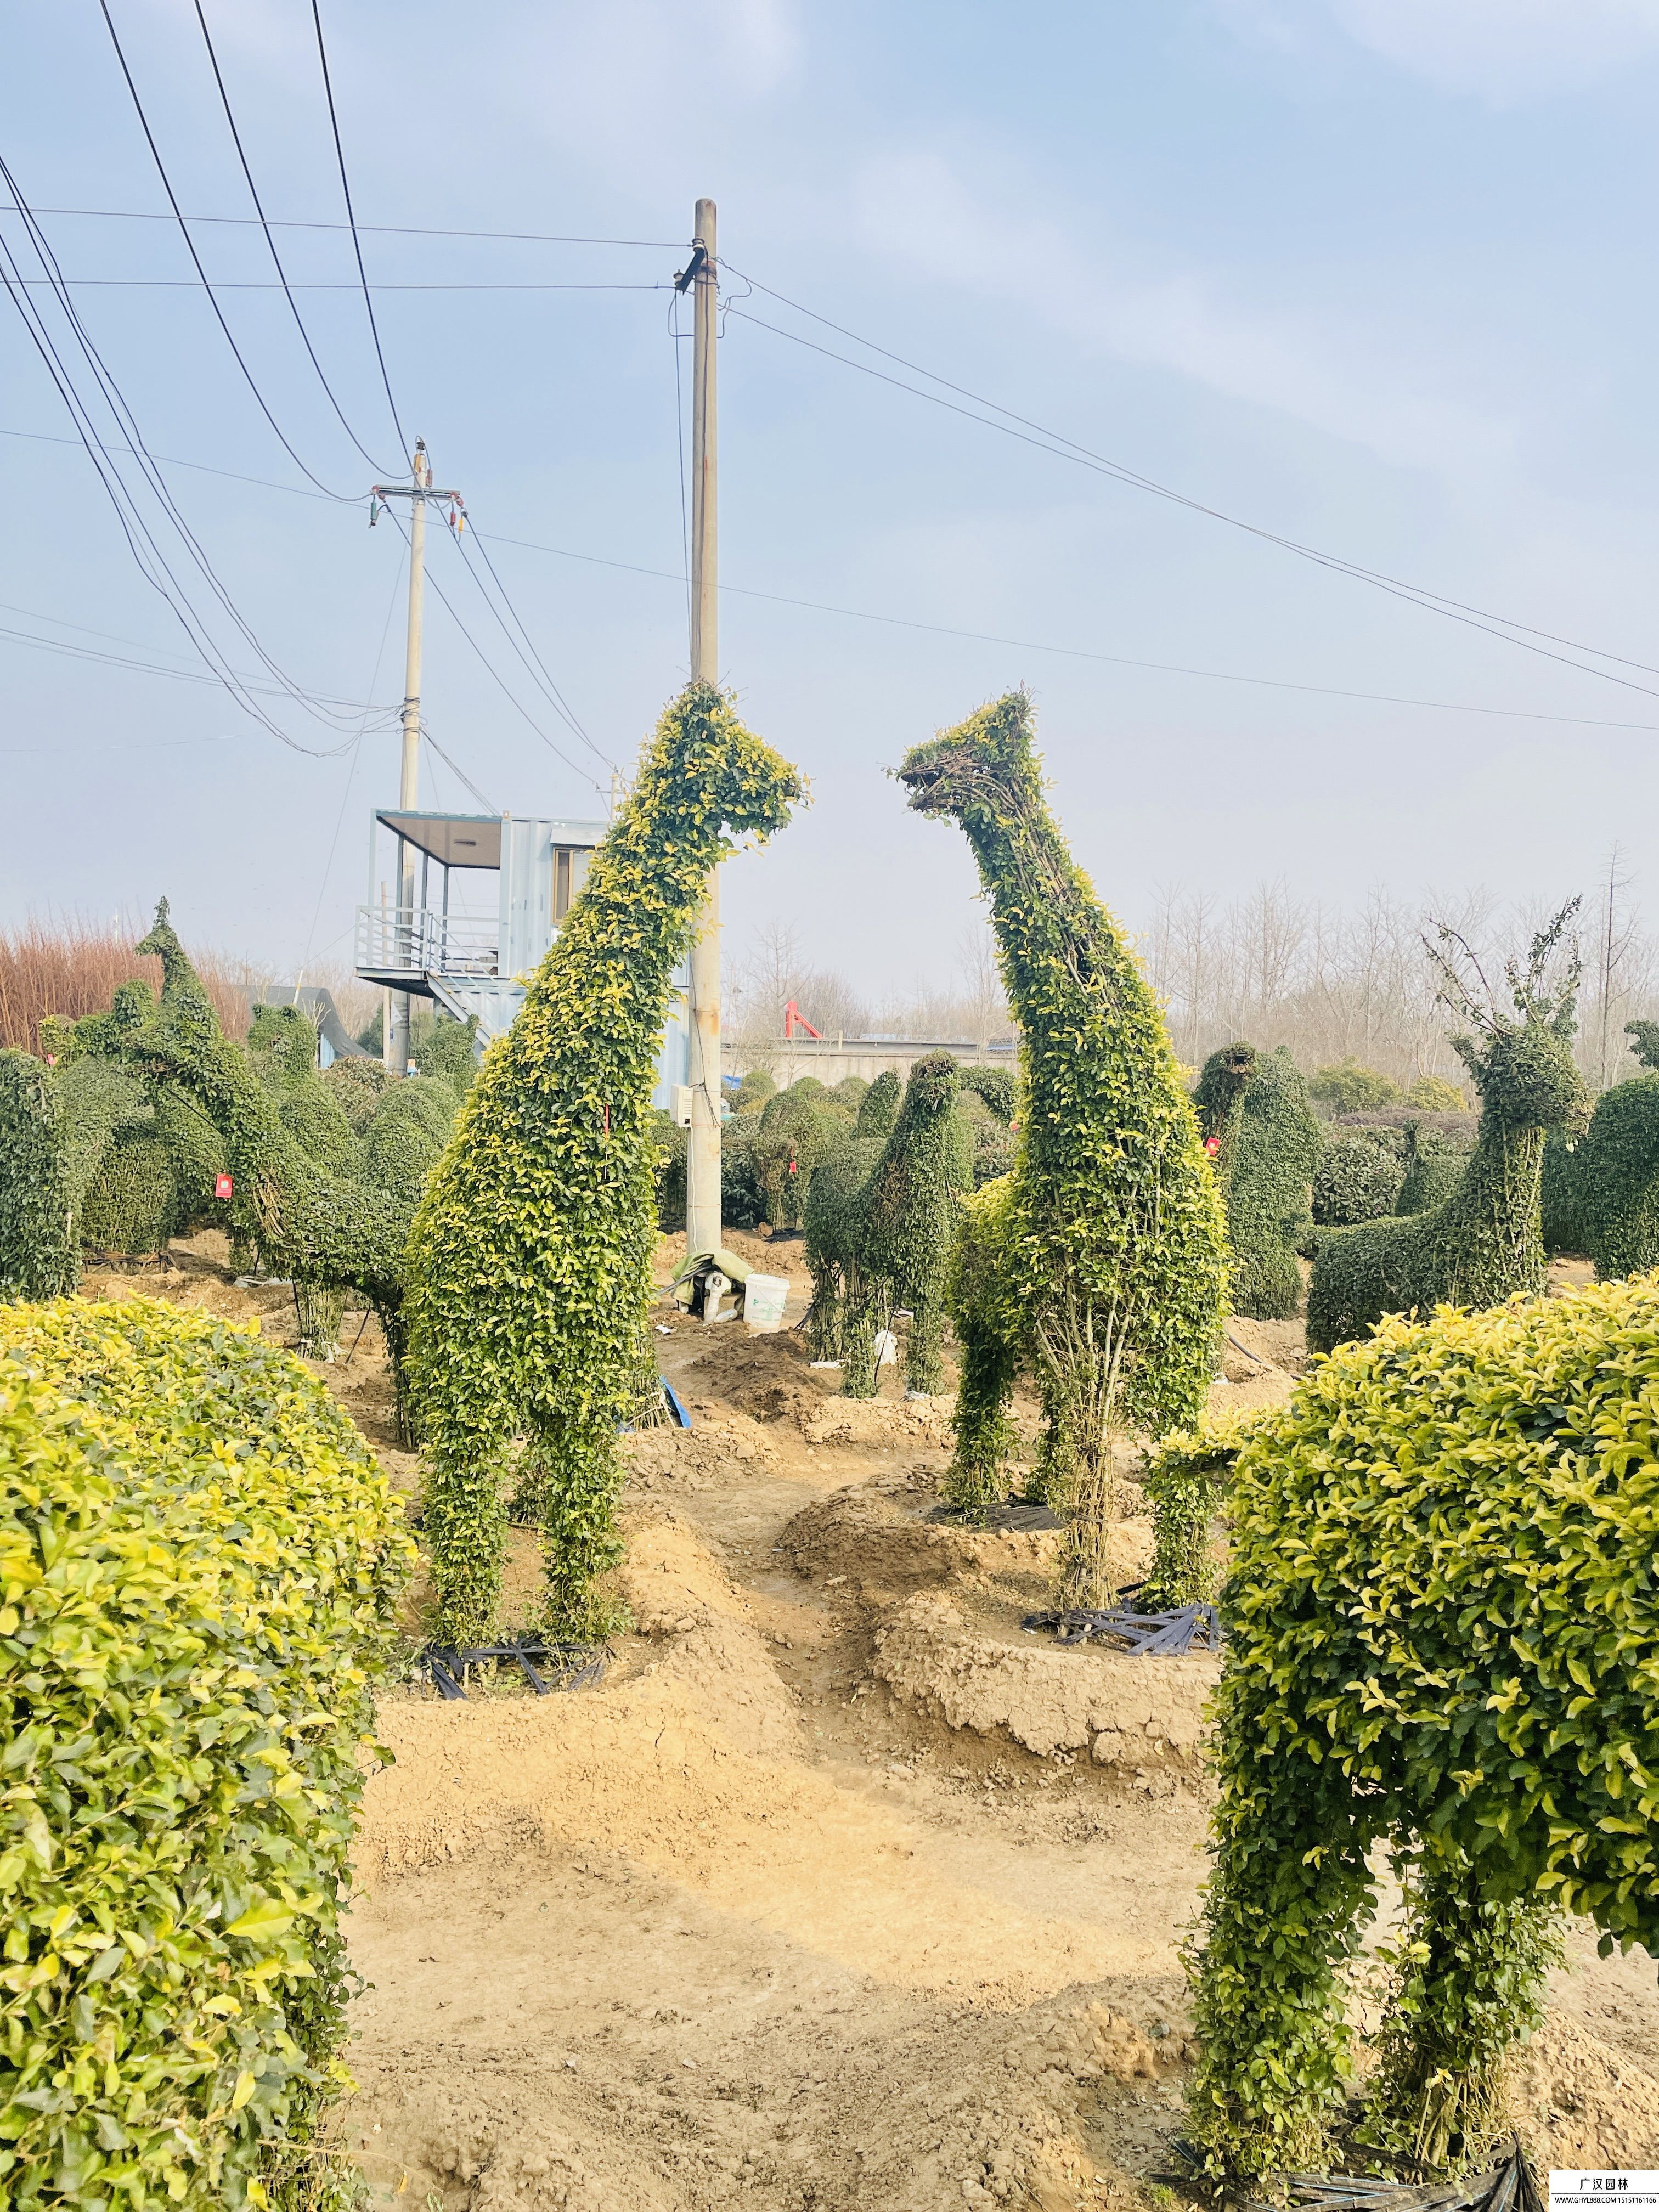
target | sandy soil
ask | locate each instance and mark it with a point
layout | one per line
(841, 1890)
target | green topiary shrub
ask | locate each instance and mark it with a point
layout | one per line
(1441, 1628)
(447, 1051)
(1602, 1197)
(897, 1234)
(995, 1086)
(1269, 1196)
(754, 1090)
(405, 1139)
(37, 1256)
(1185, 1477)
(1115, 1263)
(355, 1086)
(98, 1098)
(1255, 1108)
(1645, 1042)
(985, 1311)
(315, 1120)
(743, 1202)
(1348, 1088)
(878, 1108)
(832, 1222)
(1486, 1241)
(799, 1127)
(199, 1560)
(1432, 1094)
(1435, 1165)
(132, 1205)
(530, 1272)
(1357, 1175)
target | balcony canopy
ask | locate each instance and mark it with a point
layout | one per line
(454, 840)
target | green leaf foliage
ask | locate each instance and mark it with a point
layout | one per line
(1256, 1106)
(1435, 1166)
(38, 1255)
(198, 1563)
(1348, 1088)
(995, 1086)
(799, 1127)
(880, 1219)
(356, 1087)
(530, 1259)
(1185, 1477)
(1116, 1259)
(1485, 1241)
(1358, 1175)
(1603, 1196)
(1432, 1094)
(1442, 1626)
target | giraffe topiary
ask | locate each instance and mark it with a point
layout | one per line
(530, 1272)
(1110, 1270)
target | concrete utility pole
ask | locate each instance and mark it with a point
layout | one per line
(417, 493)
(703, 1162)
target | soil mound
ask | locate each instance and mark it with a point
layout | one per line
(878, 1424)
(876, 1540)
(769, 1378)
(1125, 1713)
(720, 1447)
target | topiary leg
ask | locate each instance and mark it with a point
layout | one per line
(580, 1473)
(985, 1436)
(923, 1366)
(861, 1319)
(1467, 1981)
(320, 1310)
(1282, 1912)
(466, 1531)
(823, 1316)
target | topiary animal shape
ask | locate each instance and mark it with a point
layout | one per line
(1601, 1197)
(1269, 1189)
(1485, 1242)
(889, 1239)
(1441, 1631)
(1116, 1259)
(530, 1270)
(323, 1230)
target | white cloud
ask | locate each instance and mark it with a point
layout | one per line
(1504, 51)
(917, 209)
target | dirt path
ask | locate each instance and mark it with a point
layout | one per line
(840, 1891)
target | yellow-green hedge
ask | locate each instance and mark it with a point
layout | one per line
(198, 1559)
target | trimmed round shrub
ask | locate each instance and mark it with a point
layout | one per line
(1275, 1153)
(447, 1051)
(1348, 1088)
(752, 1093)
(406, 1139)
(1435, 1165)
(315, 1120)
(1432, 1094)
(355, 1086)
(199, 1559)
(1359, 1175)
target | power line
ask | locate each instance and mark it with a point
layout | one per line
(303, 284)
(944, 629)
(374, 229)
(1068, 449)
(497, 678)
(277, 259)
(142, 542)
(539, 672)
(352, 218)
(190, 243)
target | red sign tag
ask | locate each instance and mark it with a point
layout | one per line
(793, 1170)
(1213, 1146)
(222, 1186)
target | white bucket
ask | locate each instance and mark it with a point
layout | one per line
(763, 1297)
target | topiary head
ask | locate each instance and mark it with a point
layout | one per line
(720, 774)
(975, 770)
(1645, 1042)
(932, 1089)
(1522, 1069)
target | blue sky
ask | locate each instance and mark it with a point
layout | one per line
(1370, 274)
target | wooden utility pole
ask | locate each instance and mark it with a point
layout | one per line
(702, 1161)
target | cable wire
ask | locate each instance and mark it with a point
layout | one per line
(277, 259)
(537, 668)
(352, 218)
(1064, 448)
(190, 243)
(374, 229)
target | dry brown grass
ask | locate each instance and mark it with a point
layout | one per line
(72, 967)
